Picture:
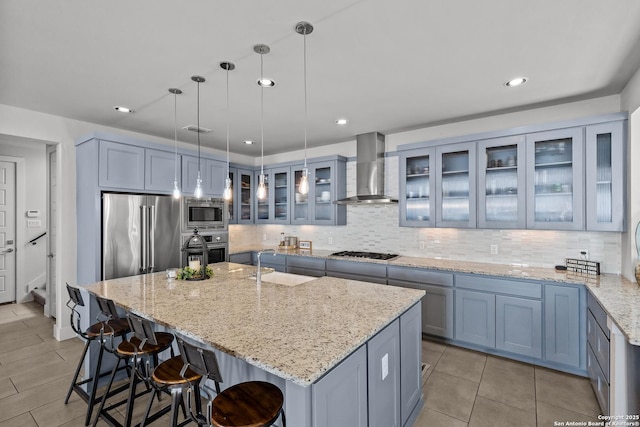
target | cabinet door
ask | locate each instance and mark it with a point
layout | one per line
(231, 204)
(437, 311)
(410, 361)
(340, 397)
(215, 176)
(302, 205)
(456, 185)
(383, 360)
(555, 161)
(121, 166)
(212, 174)
(605, 186)
(501, 183)
(519, 325)
(274, 209)
(244, 196)
(417, 188)
(476, 318)
(161, 169)
(562, 325)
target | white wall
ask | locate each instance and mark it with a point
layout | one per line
(33, 195)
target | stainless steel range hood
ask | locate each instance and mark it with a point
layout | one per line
(369, 171)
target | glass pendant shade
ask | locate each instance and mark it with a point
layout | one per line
(227, 195)
(303, 187)
(176, 190)
(198, 191)
(262, 188)
(176, 187)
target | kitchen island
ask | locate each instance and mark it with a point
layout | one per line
(333, 346)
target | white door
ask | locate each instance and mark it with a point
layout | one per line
(7, 232)
(53, 209)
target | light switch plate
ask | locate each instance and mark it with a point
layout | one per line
(33, 223)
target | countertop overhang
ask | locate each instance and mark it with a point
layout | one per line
(295, 332)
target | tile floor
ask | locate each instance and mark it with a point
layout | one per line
(461, 387)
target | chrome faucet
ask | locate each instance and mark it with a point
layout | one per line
(259, 273)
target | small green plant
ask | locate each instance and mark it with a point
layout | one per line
(188, 273)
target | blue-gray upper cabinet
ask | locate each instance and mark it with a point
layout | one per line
(502, 183)
(121, 166)
(417, 188)
(555, 179)
(327, 183)
(456, 185)
(340, 397)
(565, 325)
(274, 208)
(383, 377)
(605, 184)
(241, 203)
(519, 325)
(162, 168)
(212, 173)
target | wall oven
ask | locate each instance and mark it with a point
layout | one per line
(217, 247)
(203, 214)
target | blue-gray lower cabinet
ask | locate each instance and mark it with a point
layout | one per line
(308, 266)
(276, 261)
(437, 311)
(563, 323)
(340, 397)
(475, 318)
(410, 363)
(356, 270)
(519, 325)
(383, 358)
(241, 258)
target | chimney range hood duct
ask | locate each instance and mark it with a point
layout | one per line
(369, 171)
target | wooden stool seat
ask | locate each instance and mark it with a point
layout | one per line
(131, 347)
(168, 373)
(248, 404)
(118, 327)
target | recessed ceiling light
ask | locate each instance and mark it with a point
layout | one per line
(266, 82)
(342, 122)
(248, 142)
(518, 81)
(121, 109)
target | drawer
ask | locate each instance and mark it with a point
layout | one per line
(592, 326)
(500, 286)
(241, 258)
(305, 271)
(269, 259)
(598, 313)
(598, 381)
(379, 271)
(601, 351)
(420, 275)
(306, 262)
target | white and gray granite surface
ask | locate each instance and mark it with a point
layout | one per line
(619, 296)
(295, 332)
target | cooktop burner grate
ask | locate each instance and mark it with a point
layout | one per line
(369, 255)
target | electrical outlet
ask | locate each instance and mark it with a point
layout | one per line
(494, 249)
(264, 236)
(330, 240)
(421, 244)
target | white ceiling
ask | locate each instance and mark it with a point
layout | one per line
(384, 65)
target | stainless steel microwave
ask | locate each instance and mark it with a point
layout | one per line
(204, 214)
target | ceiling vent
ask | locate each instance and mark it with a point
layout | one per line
(194, 128)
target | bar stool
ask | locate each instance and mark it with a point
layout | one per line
(252, 403)
(187, 370)
(110, 327)
(139, 352)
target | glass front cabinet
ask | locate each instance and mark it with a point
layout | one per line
(501, 183)
(273, 209)
(555, 161)
(243, 191)
(456, 185)
(326, 185)
(417, 188)
(605, 183)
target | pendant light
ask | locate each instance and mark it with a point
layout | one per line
(304, 28)
(198, 190)
(261, 194)
(176, 188)
(227, 194)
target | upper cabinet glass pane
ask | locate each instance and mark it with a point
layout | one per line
(455, 186)
(324, 197)
(553, 180)
(501, 184)
(301, 202)
(263, 205)
(281, 193)
(246, 195)
(418, 194)
(603, 178)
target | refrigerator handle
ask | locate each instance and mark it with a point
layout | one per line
(152, 239)
(144, 230)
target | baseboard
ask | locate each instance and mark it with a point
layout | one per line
(63, 333)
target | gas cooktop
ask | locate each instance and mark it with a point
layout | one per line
(369, 255)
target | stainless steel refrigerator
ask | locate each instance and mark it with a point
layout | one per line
(140, 234)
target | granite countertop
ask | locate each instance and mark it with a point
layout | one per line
(295, 332)
(619, 296)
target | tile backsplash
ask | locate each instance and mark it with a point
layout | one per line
(375, 228)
